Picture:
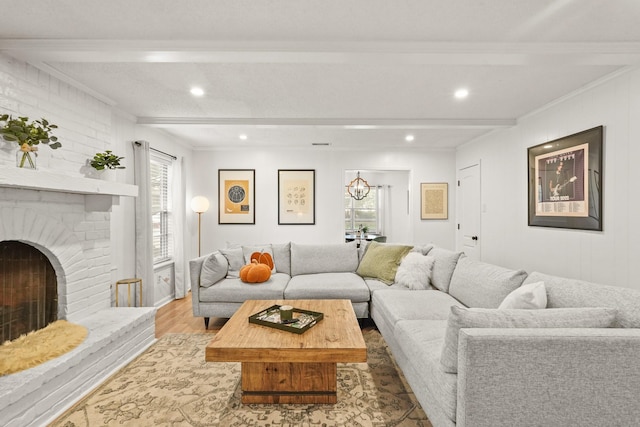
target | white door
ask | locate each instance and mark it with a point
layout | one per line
(469, 212)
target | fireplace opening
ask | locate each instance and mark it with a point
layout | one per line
(28, 289)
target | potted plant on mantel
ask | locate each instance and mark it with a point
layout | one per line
(28, 135)
(106, 161)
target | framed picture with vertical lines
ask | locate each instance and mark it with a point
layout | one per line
(434, 200)
(236, 196)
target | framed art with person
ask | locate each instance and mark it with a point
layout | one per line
(565, 181)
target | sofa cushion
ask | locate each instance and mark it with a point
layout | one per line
(328, 286)
(443, 266)
(214, 268)
(414, 271)
(402, 304)
(235, 290)
(282, 257)
(480, 284)
(563, 292)
(235, 259)
(489, 318)
(375, 284)
(323, 258)
(531, 296)
(421, 341)
(381, 261)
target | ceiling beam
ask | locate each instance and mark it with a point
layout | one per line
(351, 123)
(205, 51)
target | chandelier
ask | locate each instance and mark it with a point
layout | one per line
(358, 188)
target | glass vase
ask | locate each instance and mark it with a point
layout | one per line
(26, 159)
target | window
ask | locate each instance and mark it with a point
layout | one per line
(363, 212)
(161, 216)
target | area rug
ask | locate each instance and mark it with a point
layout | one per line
(170, 384)
(39, 346)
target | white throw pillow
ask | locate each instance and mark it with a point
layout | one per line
(414, 271)
(531, 296)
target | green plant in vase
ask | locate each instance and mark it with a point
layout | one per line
(27, 135)
(106, 160)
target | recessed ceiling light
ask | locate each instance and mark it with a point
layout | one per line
(548, 146)
(243, 136)
(197, 91)
(409, 138)
(461, 93)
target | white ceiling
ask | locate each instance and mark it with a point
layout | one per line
(354, 74)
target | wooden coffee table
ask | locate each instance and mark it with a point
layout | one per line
(283, 367)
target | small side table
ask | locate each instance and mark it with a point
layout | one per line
(129, 282)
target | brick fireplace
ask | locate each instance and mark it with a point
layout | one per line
(67, 220)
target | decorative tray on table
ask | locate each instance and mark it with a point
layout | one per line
(303, 319)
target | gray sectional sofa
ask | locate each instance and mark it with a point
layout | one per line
(469, 362)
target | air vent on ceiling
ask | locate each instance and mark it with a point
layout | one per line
(321, 143)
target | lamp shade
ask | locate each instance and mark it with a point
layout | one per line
(199, 204)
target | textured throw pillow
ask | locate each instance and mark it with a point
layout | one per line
(531, 296)
(214, 268)
(247, 251)
(381, 261)
(459, 317)
(414, 271)
(235, 259)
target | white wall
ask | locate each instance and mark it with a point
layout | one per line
(602, 257)
(330, 165)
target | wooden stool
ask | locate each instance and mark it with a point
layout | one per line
(129, 282)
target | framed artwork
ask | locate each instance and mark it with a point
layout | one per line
(565, 181)
(236, 196)
(434, 200)
(296, 197)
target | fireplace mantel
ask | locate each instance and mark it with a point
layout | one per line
(51, 181)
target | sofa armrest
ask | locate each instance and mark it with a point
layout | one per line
(550, 377)
(195, 267)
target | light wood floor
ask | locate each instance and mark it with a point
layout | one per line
(177, 318)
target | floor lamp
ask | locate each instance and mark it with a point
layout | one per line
(199, 205)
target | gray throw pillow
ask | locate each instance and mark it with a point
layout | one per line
(214, 269)
(460, 317)
(235, 259)
(282, 257)
(483, 285)
(443, 266)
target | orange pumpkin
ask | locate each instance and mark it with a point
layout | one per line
(262, 258)
(255, 272)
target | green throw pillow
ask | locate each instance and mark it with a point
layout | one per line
(381, 261)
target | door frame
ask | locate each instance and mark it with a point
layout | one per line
(459, 243)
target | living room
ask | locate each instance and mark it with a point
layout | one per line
(574, 82)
